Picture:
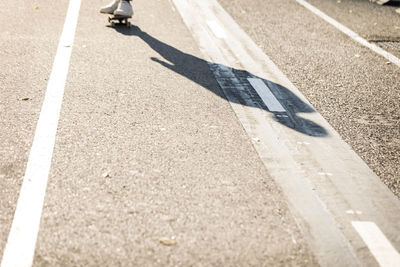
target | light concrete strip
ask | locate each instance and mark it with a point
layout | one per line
(378, 244)
(329, 244)
(350, 33)
(20, 247)
(320, 175)
(266, 95)
(217, 29)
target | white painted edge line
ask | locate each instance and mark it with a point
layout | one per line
(266, 95)
(350, 33)
(383, 251)
(20, 246)
(218, 31)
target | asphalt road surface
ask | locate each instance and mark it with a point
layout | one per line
(154, 162)
(351, 86)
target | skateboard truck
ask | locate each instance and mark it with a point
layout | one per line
(120, 19)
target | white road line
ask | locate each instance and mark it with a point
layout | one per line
(218, 31)
(317, 202)
(380, 247)
(350, 33)
(20, 247)
(266, 95)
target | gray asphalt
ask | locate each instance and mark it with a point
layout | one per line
(353, 88)
(28, 45)
(142, 153)
(145, 153)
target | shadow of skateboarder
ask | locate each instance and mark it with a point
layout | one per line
(200, 71)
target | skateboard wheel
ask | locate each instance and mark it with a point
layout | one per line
(128, 24)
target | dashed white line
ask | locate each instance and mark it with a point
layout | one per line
(20, 247)
(350, 33)
(266, 95)
(383, 251)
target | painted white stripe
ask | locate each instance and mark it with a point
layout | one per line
(266, 95)
(20, 247)
(378, 244)
(327, 234)
(350, 33)
(218, 31)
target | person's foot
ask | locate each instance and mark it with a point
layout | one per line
(110, 8)
(124, 9)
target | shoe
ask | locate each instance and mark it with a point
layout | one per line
(124, 9)
(110, 8)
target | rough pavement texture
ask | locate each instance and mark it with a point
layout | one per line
(148, 150)
(26, 57)
(151, 166)
(351, 86)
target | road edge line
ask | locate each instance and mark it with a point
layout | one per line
(21, 242)
(353, 35)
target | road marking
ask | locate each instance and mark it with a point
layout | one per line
(378, 244)
(318, 204)
(266, 95)
(350, 33)
(354, 212)
(20, 247)
(218, 31)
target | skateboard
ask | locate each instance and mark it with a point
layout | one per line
(121, 20)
